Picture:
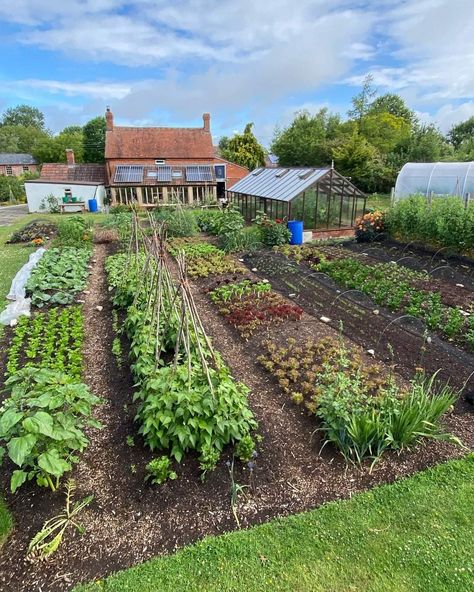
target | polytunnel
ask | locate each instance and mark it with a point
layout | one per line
(435, 179)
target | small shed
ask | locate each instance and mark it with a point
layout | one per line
(435, 179)
(83, 181)
(321, 197)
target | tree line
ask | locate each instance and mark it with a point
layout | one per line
(379, 135)
(23, 130)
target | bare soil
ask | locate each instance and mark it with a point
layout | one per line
(129, 522)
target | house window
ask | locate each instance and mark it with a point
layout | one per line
(26, 168)
(127, 195)
(9, 170)
(220, 172)
(178, 194)
(152, 195)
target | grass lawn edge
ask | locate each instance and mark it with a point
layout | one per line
(411, 535)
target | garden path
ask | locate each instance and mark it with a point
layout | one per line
(9, 214)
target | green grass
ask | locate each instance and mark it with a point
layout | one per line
(378, 201)
(414, 535)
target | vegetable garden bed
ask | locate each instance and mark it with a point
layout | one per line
(130, 520)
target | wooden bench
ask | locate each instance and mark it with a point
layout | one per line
(76, 204)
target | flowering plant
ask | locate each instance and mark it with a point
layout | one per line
(37, 241)
(370, 226)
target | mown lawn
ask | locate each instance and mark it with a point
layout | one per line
(414, 535)
(378, 201)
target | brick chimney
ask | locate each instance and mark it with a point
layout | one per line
(207, 122)
(70, 156)
(109, 119)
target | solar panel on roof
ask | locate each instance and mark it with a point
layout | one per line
(128, 173)
(198, 173)
(164, 173)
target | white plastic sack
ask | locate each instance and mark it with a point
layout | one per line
(21, 304)
(17, 289)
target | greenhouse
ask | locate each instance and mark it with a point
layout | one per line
(435, 179)
(321, 197)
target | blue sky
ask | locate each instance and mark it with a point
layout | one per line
(165, 63)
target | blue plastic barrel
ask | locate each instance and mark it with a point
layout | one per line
(93, 205)
(296, 229)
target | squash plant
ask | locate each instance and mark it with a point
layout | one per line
(42, 425)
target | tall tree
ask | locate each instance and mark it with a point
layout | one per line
(426, 144)
(384, 130)
(53, 149)
(461, 132)
(393, 104)
(94, 140)
(306, 141)
(362, 101)
(244, 149)
(355, 157)
(23, 115)
(16, 138)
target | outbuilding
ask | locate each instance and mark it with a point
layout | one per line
(59, 180)
(321, 197)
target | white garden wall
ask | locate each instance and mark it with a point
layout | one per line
(37, 191)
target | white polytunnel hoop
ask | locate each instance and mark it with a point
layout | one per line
(435, 178)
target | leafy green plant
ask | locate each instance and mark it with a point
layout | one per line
(440, 222)
(50, 537)
(272, 232)
(42, 425)
(179, 221)
(180, 411)
(74, 231)
(204, 259)
(49, 340)
(159, 470)
(59, 275)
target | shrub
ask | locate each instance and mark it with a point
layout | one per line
(272, 232)
(50, 203)
(11, 188)
(370, 227)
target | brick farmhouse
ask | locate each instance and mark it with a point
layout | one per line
(14, 165)
(153, 165)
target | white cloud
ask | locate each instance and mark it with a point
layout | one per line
(245, 60)
(448, 115)
(104, 90)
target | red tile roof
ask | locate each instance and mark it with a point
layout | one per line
(89, 173)
(158, 142)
